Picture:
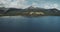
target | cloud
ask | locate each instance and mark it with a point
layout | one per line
(34, 4)
(13, 3)
(25, 4)
(49, 5)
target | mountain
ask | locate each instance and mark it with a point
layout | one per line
(3, 10)
(52, 11)
(13, 11)
(32, 8)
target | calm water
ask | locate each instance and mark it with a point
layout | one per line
(30, 24)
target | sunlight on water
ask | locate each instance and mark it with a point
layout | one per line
(13, 17)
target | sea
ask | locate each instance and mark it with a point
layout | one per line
(29, 24)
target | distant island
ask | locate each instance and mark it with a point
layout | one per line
(30, 11)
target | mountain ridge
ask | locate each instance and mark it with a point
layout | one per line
(14, 11)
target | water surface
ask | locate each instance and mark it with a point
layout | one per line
(30, 24)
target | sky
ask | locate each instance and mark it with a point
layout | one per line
(26, 3)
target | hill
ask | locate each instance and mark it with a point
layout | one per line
(30, 11)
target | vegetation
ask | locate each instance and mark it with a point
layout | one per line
(30, 12)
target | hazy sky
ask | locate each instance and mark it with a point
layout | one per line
(26, 3)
